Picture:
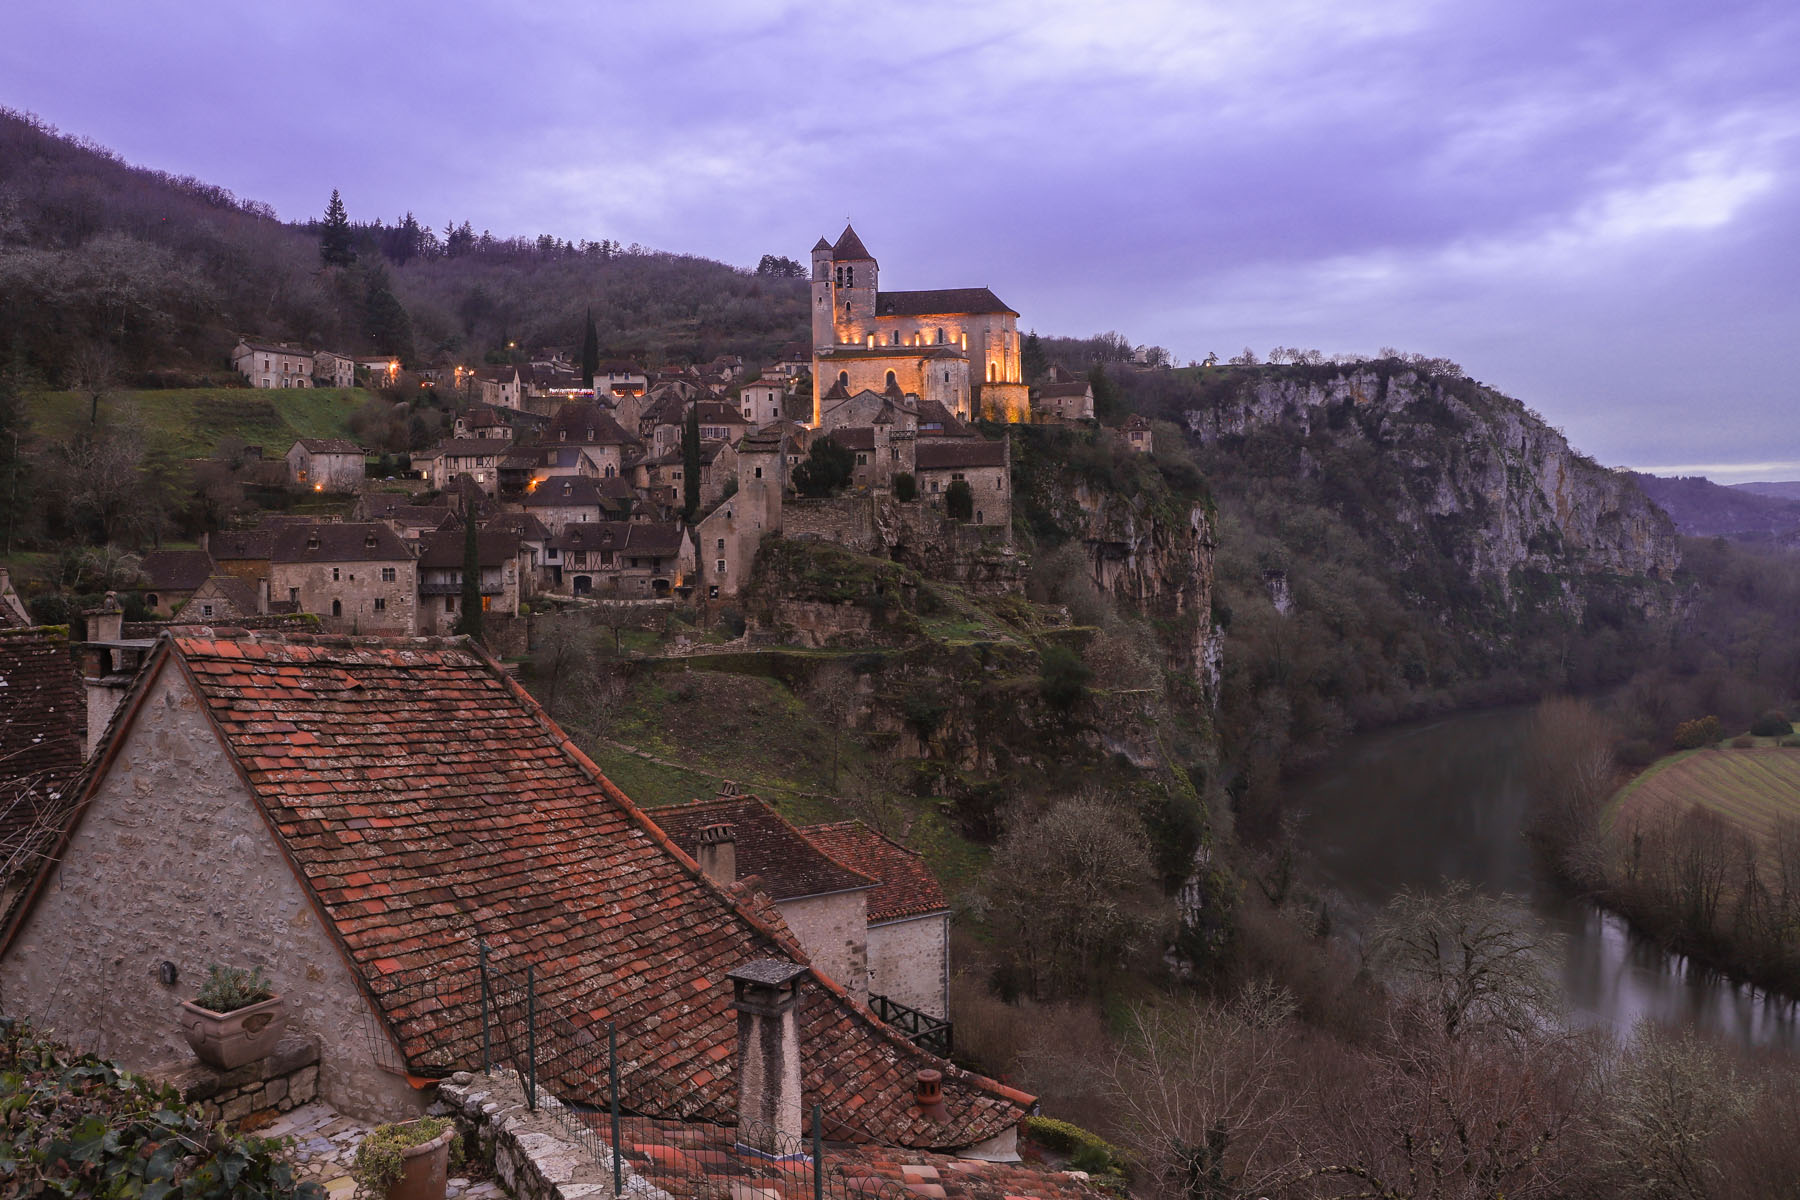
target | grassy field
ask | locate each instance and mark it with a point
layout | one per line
(189, 422)
(1750, 788)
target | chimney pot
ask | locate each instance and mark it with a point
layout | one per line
(717, 852)
(928, 1092)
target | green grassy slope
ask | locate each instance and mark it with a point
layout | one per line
(189, 422)
(1749, 787)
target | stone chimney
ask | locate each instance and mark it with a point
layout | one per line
(262, 597)
(766, 995)
(107, 624)
(717, 852)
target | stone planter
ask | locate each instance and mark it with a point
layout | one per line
(227, 1040)
(426, 1175)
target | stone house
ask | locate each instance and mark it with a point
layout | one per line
(718, 467)
(1063, 398)
(331, 369)
(732, 532)
(585, 560)
(226, 597)
(326, 465)
(762, 401)
(13, 614)
(563, 500)
(171, 576)
(985, 465)
(620, 379)
(822, 900)
(501, 387)
(362, 818)
(588, 426)
(441, 561)
(473, 458)
(411, 521)
(909, 918)
(241, 553)
(357, 577)
(481, 421)
(958, 346)
(1136, 431)
(273, 364)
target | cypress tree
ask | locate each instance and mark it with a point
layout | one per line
(334, 239)
(590, 352)
(469, 620)
(690, 465)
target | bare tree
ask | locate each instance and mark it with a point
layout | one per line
(1471, 962)
(96, 369)
(833, 691)
(1207, 1095)
(1569, 772)
(1670, 1099)
(1074, 889)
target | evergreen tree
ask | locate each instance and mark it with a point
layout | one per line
(334, 237)
(959, 501)
(590, 352)
(1033, 359)
(828, 467)
(469, 620)
(1106, 396)
(385, 322)
(690, 465)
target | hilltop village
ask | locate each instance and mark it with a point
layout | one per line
(580, 487)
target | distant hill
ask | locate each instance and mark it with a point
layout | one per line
(1702, 508)
(165, 272)
(1785, 489)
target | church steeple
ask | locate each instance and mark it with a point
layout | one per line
(849, 248)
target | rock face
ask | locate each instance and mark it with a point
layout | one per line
(1149, 551)
(1456, 469)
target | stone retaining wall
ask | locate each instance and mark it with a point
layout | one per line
(534, 1156)
(286, 1079)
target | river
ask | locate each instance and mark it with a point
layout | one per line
(1414, 806)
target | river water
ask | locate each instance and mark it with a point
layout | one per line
(1414, 806)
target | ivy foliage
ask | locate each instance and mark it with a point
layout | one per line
(74, 1124)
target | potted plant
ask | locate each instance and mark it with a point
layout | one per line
(408, 1161)
(235, 1019)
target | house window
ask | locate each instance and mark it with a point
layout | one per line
(388, 575)
(381, 604)
(337, 608)
(721, 566)
(759, 472)
(721, 544)
(206, 610)
(293, 595)
(862, 460)
(449, 603)
(334, 575)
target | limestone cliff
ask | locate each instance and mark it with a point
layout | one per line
(1437, 466)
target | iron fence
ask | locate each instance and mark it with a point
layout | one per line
(693, 1149)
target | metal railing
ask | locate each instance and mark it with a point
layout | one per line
(921, 1029)
(572, 1074)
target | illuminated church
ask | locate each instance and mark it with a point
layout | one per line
(957, 346)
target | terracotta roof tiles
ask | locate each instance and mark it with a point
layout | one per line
(905, 886)
(787, 865)
(427, 802)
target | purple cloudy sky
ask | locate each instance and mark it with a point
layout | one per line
(1591, 205)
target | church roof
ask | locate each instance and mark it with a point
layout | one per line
(941, 300)
(823, 245)
(849, 247)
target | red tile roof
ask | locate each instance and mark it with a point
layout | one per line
(43, 728)
(787, 865)
(427, 802)
(696, 1160)
(905, 886)
(948, 456)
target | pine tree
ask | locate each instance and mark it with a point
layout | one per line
(590, 352)
(469, 620)
(334, 238)
(1033, 359)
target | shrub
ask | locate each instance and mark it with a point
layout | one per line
(381, 1158)
(731, 621)
(77, 1125)
(1087, 1151)
(1742, 741)
(959, 501)
(228, 989)
(906, 488)
(1063, 678)
(1635, 753)
(1773, 723)
(1702, 731)
(1791, 743)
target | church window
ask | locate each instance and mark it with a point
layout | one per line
(849, 276)
(846, 308)
(891, 381)
(894, 339)
(844, 378)
(940, 335)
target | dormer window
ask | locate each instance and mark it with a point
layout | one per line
(369, 542)
(312, 541)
